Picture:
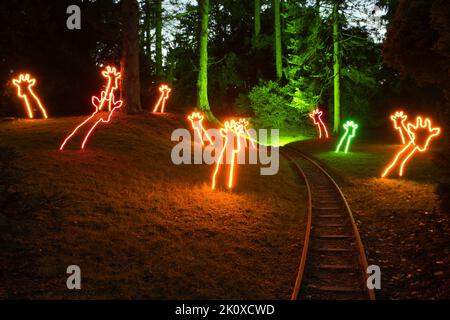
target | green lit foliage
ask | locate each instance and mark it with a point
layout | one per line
(308, 65)
(287, 104)
(303, 101)
(271, 105)
(361, 63)
(310, 61)
(241, 63)
(359, 87)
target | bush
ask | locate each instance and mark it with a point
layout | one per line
(273, 106)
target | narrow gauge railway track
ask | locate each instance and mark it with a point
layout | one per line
(333, 263)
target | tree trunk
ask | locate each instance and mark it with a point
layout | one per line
(278, 53)
(148, 27)
(130, 56)
(257, 18)
(336, 68)
(158, 36)
(202, 83)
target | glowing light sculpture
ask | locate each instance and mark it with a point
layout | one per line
(399, 119)
(421, 134)
(196, 119)
(244, 122)
(25, 91)
(231, 132)
(113, 77)
(165, 93)
(350, 128)
(106, 96)
(316, 115)
(112, 103)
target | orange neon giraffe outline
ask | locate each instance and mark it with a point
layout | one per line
(196, 119)
(117, 105)
(24, 86)
(399, 119)
(316, 115)
(235, 130)
(246, 134)
(113, 77)
(98, 103)
(417, 143)
(165, 93)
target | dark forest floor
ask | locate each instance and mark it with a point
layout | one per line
(137, 225)
(404, 222)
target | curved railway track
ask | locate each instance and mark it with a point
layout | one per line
(333, 263)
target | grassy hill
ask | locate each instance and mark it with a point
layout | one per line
(137, 225)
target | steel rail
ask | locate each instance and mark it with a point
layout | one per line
(361, 252)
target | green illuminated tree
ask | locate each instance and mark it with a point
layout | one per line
(202, 83)
(336, 67)
(278, 49)
(257, 23)
(332, 58)
(309, 68)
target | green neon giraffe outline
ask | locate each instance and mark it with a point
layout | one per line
(347, 126)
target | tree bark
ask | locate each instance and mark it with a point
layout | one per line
(158, 36)
(278, 53)
(130, 56)
(202, 83)
(336, 68)
(148, 27)
(257, 18)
